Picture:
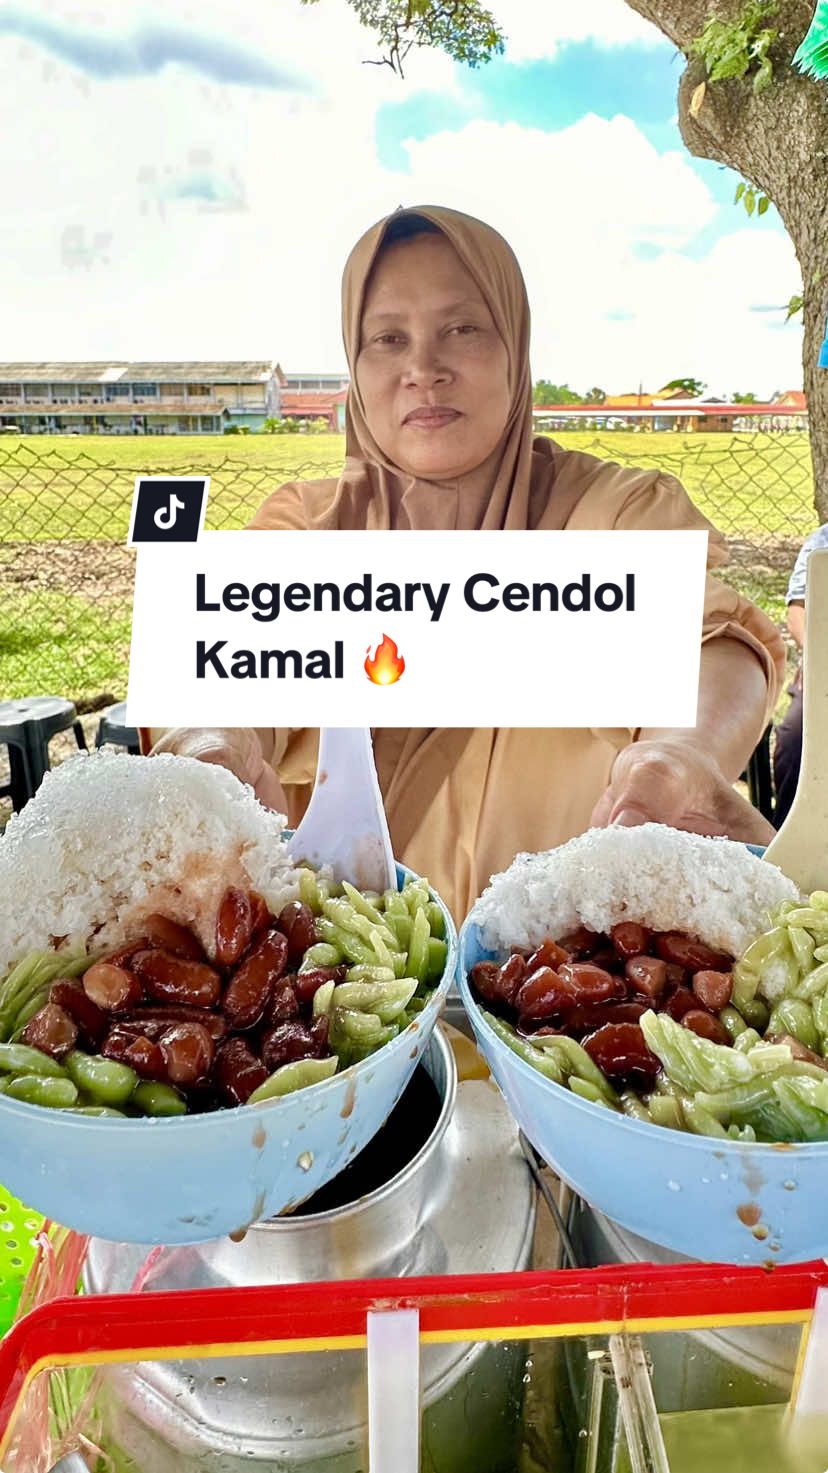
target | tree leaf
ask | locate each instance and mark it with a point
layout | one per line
(750, 201)
(795, 305)
(763, 77)
(740, 189)
(734, 63)
(763, 204)
(697, 99)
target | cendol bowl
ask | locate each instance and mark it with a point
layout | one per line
(717, 1200)
(196, 1177)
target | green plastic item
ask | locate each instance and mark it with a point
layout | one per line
(18, 1225)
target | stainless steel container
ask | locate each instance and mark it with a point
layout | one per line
(464, 1203)
(691, 1371)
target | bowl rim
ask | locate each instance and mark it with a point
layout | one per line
(18, 1109)
(772, 1150)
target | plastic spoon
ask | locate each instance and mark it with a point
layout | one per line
(345, 825)
(800, 849)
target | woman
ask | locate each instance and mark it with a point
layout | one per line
(439, 435)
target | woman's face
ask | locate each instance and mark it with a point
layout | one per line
(432, 368)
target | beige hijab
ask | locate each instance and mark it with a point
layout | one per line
(526, 489)
(532, 484)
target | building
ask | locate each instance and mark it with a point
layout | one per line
(316, 383)
(310, 406)
(787, 411)
(138, 398)
(310, 396)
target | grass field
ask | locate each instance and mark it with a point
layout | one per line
(65, 576)
(81, 487)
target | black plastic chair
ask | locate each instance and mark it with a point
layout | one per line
(759, 776)
(114, 732)
(26, 729)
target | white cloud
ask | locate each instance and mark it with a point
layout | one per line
(91, 167)
(538, 28)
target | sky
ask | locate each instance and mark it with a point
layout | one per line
(186, 183)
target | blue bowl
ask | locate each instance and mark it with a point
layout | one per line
(722, 1201)
(197, 1177)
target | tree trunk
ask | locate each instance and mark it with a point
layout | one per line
(778, 140)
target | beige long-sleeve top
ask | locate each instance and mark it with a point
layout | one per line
(460, 805)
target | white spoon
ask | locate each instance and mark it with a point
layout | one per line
(800, 849)
(345, 825)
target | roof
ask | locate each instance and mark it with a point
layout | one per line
(333, 378)
(307, 403)
(246, 370)
(793, 399)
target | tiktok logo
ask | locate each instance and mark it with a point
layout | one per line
(166, 519)
(165, 510)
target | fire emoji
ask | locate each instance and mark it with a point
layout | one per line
(387, 664)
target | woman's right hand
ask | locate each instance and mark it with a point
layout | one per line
(239, 749)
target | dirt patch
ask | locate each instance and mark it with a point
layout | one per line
(92, 570)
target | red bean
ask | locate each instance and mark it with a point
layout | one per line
(499, 984)
(53, 1031)
(543, 995)
(630, 939)
(320, 1028)
(608, 959)
(694, 956)
(155, 1020)
(648, 975)
(282, 1002)
(141, 1053)
(296, 921)
(713, 989)
(261, 918)
(676, 976)
(234, 927)
(705, 1025)
(548, 954)
(111, 987)
(587, 1019)
(169, 936)
(589, 983)
(250, 986)
(682, 1001)
(132, 1026)
(238, 1072)
(307, 984)
(188, 1052)
(287, 1042)
(483, 978)
(169, 979)
(91, 1020)
(620, 1051)
(125, 953)
(582, 943)
(510, 977)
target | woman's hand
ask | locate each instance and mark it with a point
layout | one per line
(236, 748)
(675, 782)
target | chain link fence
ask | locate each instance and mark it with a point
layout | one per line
(66, 575)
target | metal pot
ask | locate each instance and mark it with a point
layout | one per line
(463, 1203)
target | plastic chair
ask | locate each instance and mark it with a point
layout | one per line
(26, 729)
(114, 732)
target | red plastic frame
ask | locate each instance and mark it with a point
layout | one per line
(129, 1327)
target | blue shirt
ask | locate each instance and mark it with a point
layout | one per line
(796, 586)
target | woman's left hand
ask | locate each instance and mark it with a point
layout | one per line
(675, 782)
